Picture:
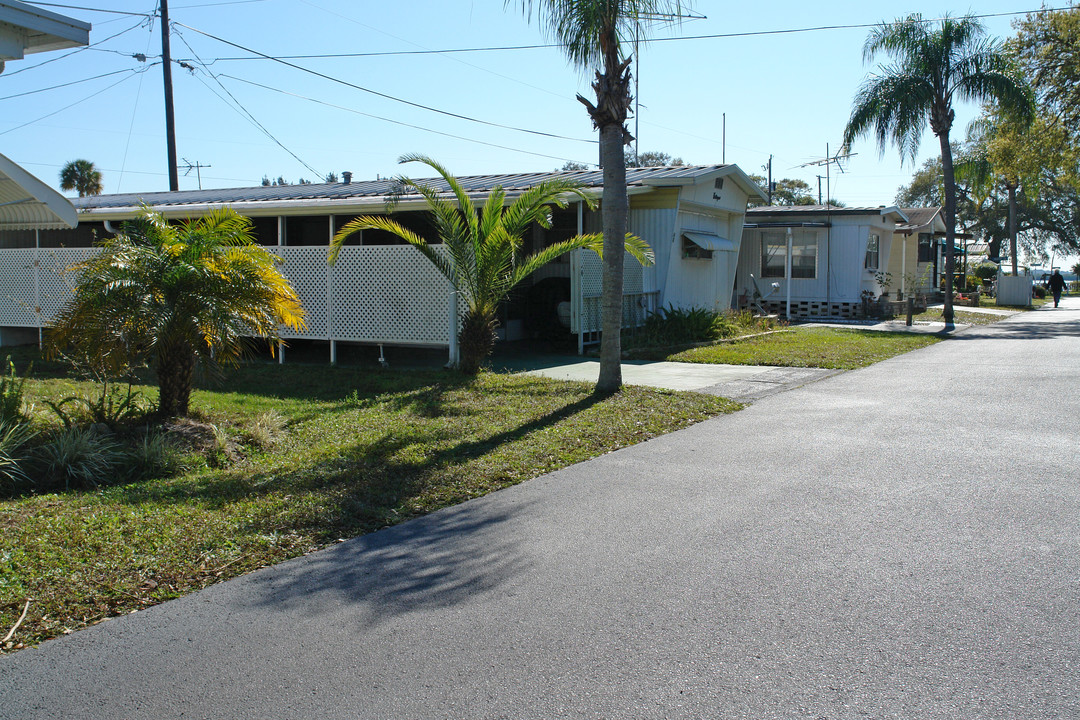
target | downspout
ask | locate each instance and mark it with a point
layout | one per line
(110, 228)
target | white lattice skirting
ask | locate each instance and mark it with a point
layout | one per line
(380, 294)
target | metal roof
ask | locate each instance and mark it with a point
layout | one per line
(919, 218)
(373, 191)
(26, 203)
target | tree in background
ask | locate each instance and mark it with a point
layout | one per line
(786, 192)
(81, 176)
(933, 66)
(481, 249)
(591, 33)
(177, 296)
(650, 158)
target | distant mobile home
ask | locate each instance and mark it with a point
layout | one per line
(381, 291)
(815, 260)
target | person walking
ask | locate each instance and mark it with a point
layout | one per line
(1057, 284)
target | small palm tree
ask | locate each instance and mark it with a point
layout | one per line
(480, 253)
(591, 33)
(177, 295)
(934, 66)
(81, 175)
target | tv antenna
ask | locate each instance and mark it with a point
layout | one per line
(840, 159)
(196, 166)
(658, 18)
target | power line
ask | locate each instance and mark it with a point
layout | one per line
(503, 48)
(92, 9)
(398, 122)
(73, 52)
(68, 84)
(384, 95)
(77, 102)
(247, 113)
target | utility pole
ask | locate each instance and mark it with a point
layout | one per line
(170, 122)
(770, 186)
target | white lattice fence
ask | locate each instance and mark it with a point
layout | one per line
(389, 294)
(17, 296)
(381, 294)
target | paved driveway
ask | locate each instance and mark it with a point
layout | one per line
(901, 541)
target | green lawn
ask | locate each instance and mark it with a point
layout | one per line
(820, 347)
(305, 455)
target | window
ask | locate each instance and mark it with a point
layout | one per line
(926, 248)
(803, 255)
(873, 251)
(773, 252)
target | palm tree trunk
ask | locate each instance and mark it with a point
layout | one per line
(175, 372)
(615, 208)
(950, 223)
(476, 340)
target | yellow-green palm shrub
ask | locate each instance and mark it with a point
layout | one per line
(176, 296)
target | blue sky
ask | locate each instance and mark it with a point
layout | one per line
(786, 94)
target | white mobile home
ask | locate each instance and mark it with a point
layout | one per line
(814, 260)
(383, 292)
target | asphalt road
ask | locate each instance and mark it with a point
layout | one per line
(901, 541)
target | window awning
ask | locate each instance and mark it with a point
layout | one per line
(708, 241)
(26, 203)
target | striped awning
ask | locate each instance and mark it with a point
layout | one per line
(26, 203)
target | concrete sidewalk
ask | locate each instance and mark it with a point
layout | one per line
(894, 542)
(738, 382)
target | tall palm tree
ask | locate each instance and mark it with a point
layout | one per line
(591, 33)
(480, 252)
(81, 175)
(177, 295)
(934, 65)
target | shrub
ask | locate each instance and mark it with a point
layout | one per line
(985, 271)
(11, 396)
(79, 458)
(1040, 291)
(266, 429)
(678, 326)
(150, 457)
(14, 438)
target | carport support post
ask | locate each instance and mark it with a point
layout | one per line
(787, 276)
(455, 351)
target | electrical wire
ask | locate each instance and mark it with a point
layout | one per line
(384, 95)
(90, 9)
(399, 122)
(77, 102)
(134, 109)
(73, 52)
(717, 36)
(67, 84)
(245, 111)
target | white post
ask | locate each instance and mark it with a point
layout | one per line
(330, 299)
(787, 275)
(576, 303)
(903, 264)
(281, 353)
(37, 287)
(455, 350)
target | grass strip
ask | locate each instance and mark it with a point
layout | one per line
(813, 347)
